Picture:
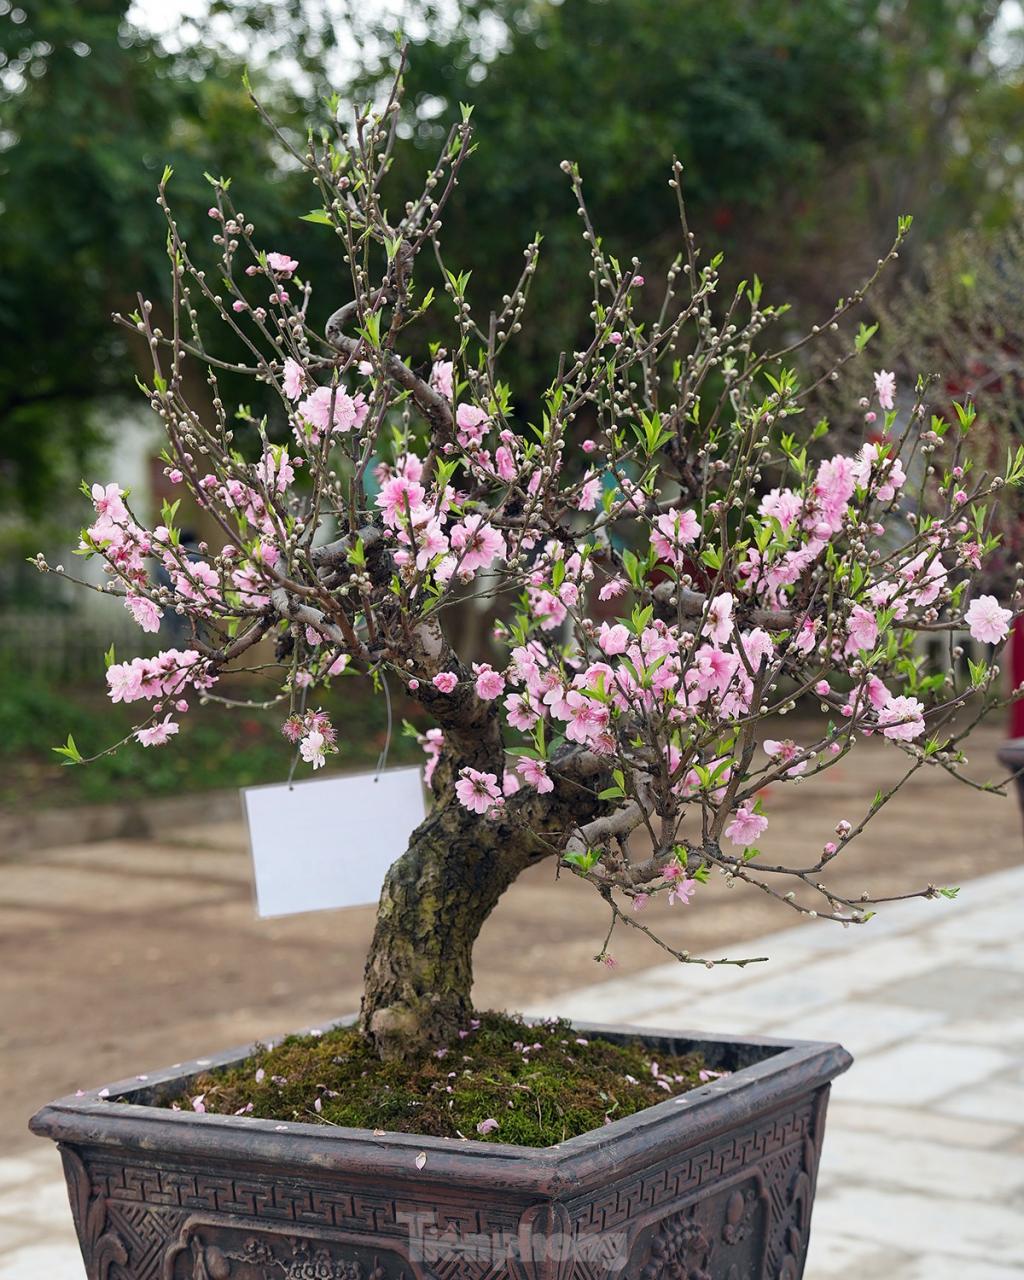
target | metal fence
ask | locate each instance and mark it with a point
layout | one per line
(66, 647)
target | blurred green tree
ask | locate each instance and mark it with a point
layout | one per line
(92, 109)
(835, 116)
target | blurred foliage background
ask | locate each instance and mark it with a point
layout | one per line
(805, 127)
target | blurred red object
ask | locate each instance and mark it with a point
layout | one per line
(1016, 676)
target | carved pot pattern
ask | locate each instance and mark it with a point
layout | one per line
(208, 1252)
(133, 1225)
(726, 1196)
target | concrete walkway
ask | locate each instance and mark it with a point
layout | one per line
(922, 1176)
(923, 1171)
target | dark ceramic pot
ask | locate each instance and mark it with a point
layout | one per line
(714, 1185)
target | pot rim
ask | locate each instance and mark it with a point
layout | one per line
(118, 1116)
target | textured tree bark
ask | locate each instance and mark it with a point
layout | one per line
(436, 897)
(419, 973)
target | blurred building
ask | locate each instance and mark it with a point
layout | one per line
(53, 627)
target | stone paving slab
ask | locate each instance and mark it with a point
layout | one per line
(922, 1176)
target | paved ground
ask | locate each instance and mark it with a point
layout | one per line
(119, 956)
(922, 1176)
(923, 1172)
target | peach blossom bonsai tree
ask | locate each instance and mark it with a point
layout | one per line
(673, 556)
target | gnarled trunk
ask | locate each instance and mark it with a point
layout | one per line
(436, 897)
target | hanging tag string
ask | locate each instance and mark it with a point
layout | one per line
(382, 759)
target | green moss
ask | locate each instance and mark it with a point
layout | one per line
(542, 1084)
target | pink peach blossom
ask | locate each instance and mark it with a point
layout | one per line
(535, 774)
(746, 827)
(156, 735)
(672, 532)
(478, 791)
(989, 623)
(281, 264)
(683, 888)
(613, 639)
(489, 683)
(293, 378)
(885, 387)
(144, 611)
(901, 719)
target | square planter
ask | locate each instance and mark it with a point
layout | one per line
(714, 1185)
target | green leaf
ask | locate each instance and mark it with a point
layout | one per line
(632, 567)
(979, 670)
(69, 751)
(966, 413)
(320, 216)
(641, 617)
(1014, 466)
(864, 335)
(371, 329)
(582, 860)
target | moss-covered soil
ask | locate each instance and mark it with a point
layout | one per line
(501, 1081)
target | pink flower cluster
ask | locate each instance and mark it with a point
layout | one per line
(314, 735)
(643, 630)
(667, 560)
(169, 675)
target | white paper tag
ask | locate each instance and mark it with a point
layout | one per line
(328, 843)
